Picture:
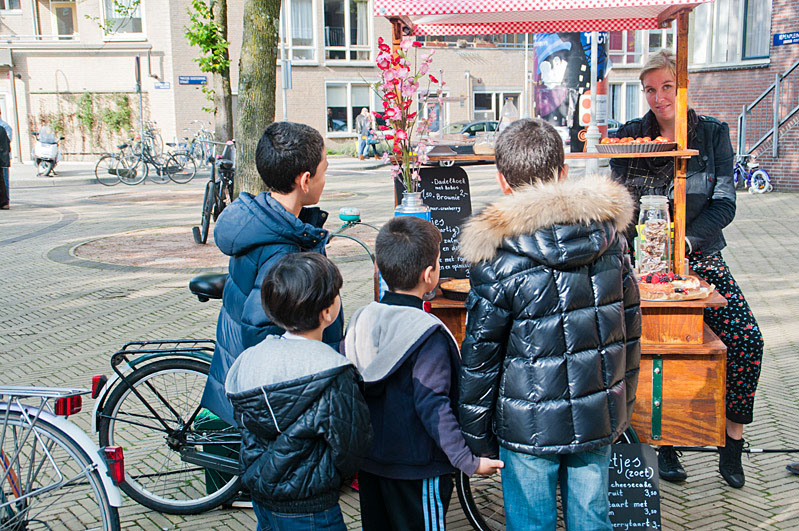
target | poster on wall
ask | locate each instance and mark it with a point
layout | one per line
(562, 72)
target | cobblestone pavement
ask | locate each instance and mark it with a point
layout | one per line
(61, 317)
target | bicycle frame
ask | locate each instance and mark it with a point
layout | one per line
(32, 415)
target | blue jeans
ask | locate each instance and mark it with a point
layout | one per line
(329, 520)
(363, 146)
(529, 485)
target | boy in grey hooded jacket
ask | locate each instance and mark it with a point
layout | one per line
(303, 420)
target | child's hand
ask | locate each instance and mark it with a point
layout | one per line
(487, 466)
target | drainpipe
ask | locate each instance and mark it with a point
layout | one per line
(16, 108)
(468, 76)
(35, 17)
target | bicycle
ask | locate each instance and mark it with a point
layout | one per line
(177, 166)
(218, 192)
(51, 474)
(749, 175)
(179, 458)
(112, 167)
(199, 145)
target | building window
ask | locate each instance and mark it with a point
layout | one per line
(10, 4)
(732, 31)
(625, 101)
(488, 105)
(297, 29)
(347, 32)
(123, 16)
(344, 102)
(624, 47)
(65, 21)
(659, 39)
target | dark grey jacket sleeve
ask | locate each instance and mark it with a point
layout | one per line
(632, 318)
(720, 210)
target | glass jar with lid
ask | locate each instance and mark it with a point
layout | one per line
(653, 245)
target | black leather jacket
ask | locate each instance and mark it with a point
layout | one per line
(710, 192)
(551, 353)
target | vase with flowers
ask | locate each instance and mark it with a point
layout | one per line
(404, 129)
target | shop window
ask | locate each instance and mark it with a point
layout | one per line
(297, 30)
(347, 31)
(488, 105)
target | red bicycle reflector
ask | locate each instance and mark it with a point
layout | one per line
(116, 463)
(68, 405)
(98, 382)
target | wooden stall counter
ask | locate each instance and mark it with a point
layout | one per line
(682, 380)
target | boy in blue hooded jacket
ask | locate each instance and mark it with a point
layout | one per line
(256, 231)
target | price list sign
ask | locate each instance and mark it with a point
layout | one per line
(633, 492)
(446, 192)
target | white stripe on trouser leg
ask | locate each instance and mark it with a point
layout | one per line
(440, 505)
(425, 506)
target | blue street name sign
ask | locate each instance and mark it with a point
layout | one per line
(786, 38)
(193, 80)
(163, 85)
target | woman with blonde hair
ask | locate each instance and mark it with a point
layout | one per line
(710, 206)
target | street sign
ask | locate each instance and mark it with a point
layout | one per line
(193, 80)
(163, 84)
(786, 38)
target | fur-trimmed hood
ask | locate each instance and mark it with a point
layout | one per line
(587, 206)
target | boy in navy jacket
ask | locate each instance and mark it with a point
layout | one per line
(409, 362)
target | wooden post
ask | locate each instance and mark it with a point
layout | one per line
(396, 33)
(681, 133)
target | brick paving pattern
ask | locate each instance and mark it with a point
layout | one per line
(61, 319)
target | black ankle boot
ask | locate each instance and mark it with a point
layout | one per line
(669, 465)
(730, 462)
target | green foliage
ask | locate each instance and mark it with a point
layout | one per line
(207, 35)
(118, 119)
(85, 111)
(124, 10)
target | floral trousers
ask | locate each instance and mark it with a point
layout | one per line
(738, 330)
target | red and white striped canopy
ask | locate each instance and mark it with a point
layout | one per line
(488, 17)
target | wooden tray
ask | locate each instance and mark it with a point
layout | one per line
(651, 147)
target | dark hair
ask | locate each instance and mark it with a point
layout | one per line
(404, 247)
(527, 151)
(286, 150)
(297, 288)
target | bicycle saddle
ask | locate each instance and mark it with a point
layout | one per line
(122, 146)
(224, 164)
(171, 144)
(208, 286)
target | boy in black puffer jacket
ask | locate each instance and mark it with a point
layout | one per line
(303, 421)
(409, 362)
(551, 351)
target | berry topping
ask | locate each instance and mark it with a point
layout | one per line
(648, 279)
(655, 279)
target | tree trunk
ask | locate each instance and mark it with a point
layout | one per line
(223, 94)
(256, 104)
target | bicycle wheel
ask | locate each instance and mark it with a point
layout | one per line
(180, 167)
(48, 481)
(159, 174)
(132, 169)
(208, 207)
(761, 181)
(739, 177)
(155, 474)
(105, 171)
(198, 153)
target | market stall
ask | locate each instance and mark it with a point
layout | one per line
(682, 380)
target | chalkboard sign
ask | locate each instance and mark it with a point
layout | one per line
(446, 192)
(634, 491)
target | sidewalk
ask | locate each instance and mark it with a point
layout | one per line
(62, 318)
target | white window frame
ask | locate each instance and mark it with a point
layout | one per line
(373, 103)
(739, 29)
(54, 19)
(348, 48)
(624, 86)
(503, 92)
(11, 10)
(286, 37)
(126, 36)
(639, 37)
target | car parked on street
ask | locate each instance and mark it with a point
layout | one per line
(459, 137)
